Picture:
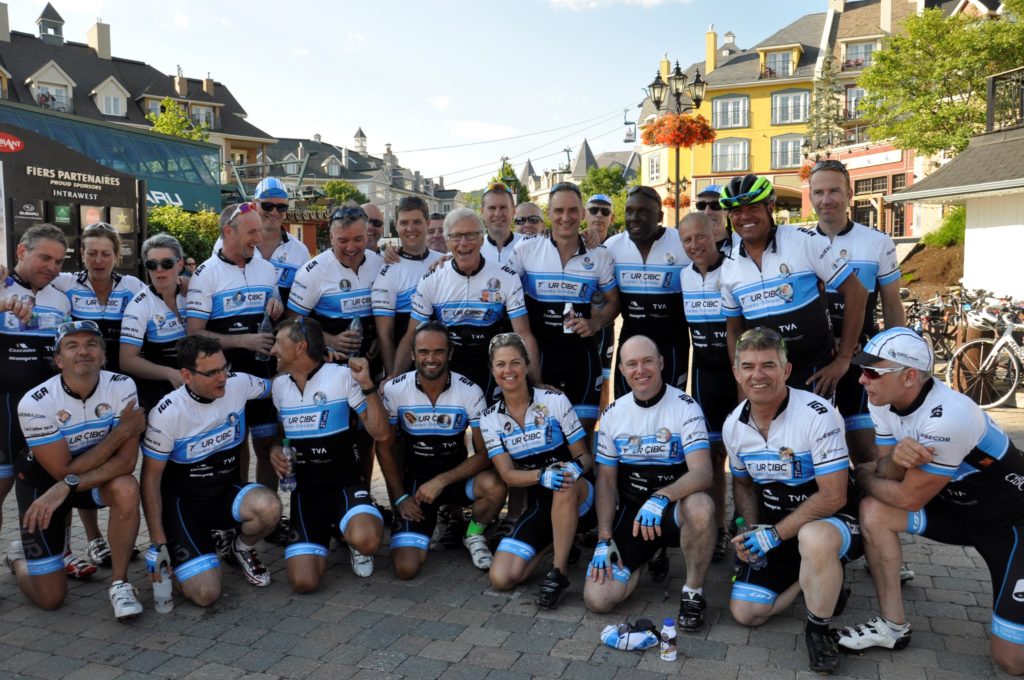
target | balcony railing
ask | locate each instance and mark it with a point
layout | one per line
(768, 72)
(857, 64)
(856, 135)
(55, 101)
(852, 112)
(1005, 101)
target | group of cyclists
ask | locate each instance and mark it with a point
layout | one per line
(479, 378)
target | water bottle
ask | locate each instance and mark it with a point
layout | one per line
(755, 562)
(287, 483)
(265, 327)
(163, 598)
(356, 326)
(568, 314)
(668, 640)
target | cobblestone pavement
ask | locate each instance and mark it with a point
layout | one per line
(448, 623)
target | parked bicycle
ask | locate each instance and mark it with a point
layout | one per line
(989, 370)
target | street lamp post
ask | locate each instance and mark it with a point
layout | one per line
(676, 86)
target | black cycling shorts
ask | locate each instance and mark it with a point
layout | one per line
(634, 550)
(1001, 549)
(317, 512)
(188, 523)
(764, 585)
(717, 395)
(577, 373)
(12, 441)
(261, 418)
(417, 534)
(532, 533)
(852, 401)
(606, 349)
(44, 548)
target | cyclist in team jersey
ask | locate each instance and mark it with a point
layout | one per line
(434, 411)
(653, 468)
(82, 428)
(775, 278)
(791, 484)
(191, 481)
(945, 472)
(285, 252)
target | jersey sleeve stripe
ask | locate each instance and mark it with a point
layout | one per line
(155, 455)
(841, 275)
(45, 439)
(939, 469)
(894, 275)
(607, 460)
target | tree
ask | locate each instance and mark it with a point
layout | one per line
(926, 89)
(826, 106)
(603, 181)
(342, 191)
(507, 174)
(174, 121)
(197, 232)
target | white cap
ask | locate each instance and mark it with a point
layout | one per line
(898, 345)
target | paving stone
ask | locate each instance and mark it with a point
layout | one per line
(540, 665)
(446, 650)
(483, 637)
(495, 659)
(420, 667)
(294, 667)
(580, 650)
(588, 670)
(529, 643)
(215, 671)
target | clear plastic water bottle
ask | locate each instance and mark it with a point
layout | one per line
(668, 640)
(568, 314)
(356, 326)
(288, 483)
(265, 327)
(163, 597)
(755, 562)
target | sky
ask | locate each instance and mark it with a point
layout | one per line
(422, 75)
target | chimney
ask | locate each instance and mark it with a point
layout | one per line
(665, 67)
(208, 84)
(417, 181)
(302, 151)
(836, 5)
(5, 24)
(440, 181)
(180, 84)
(316, 137)
(344, 156)
(885, 20)
(98, 39)
(710, 50)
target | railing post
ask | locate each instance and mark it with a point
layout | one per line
(990, 110)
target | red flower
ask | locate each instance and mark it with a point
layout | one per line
(805, 172)
(678, 130)
(670, 202)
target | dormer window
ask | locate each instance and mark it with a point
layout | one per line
(334, 169)
(779, 64)
(112, 106)
(858, 56)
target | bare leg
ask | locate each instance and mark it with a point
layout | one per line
(697, 536)
(121, 495)
(880, 525)
(305, 572)
(821, 572)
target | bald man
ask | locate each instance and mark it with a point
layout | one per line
(374, 226)
(529, 220)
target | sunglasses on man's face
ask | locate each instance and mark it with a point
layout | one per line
(165, 263)
(532, 219)
(593, 210)
(704, 205)
(377, 224)
(271, 207)
(876, 373)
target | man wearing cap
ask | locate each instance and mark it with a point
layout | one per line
(285, 252)
(82, 429)
(497, 207)
(529, 220)
(945, 471)
(709, 206)
(374, 226)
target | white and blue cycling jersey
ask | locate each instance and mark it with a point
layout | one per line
(396, 284)
(551, 425)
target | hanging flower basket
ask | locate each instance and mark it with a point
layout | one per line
(678, 130)
(805, 172)
(670, 202)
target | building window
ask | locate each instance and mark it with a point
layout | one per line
(112, 106)
(730, 155)
(858, 56)
(778, 64)
(334, 169)
(898, 220)
(899, 182)
(53, 97)
(653, 169)
(854, 95)
(879, 185)
(786, 151)
(202, 114)
(153, 106)
(862, 186)
(864, 213)
(446, 208)
(730, 112)
(364, 189)
(790, 107)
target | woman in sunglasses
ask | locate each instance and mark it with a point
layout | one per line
(536, 442)
(154, 321)
(97, 294)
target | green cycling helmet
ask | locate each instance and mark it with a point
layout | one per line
(746, 190)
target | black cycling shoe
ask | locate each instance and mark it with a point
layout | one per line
(280, 534)
(691, 612)
(658, 566)
(721, 546)
(551, 589)
(822, 651)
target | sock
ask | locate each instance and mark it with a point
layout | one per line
(240, 546)
(818, 624)
(894, 627)
(474, 528)
(693, 591)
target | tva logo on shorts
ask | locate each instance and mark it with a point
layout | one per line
(1018, 590)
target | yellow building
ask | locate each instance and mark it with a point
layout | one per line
(758, 100)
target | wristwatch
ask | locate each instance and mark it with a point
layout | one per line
(72, 482)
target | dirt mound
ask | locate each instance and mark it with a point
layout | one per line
(932, 270)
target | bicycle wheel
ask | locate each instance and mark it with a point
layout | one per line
(989, 382)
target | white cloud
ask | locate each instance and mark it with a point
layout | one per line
(583, 5)
(355, 42)
(440, 102)
(478, 130)
(181, 21)
(300, 52)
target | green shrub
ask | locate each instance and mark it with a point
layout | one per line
(951, 232)
(197, 232)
